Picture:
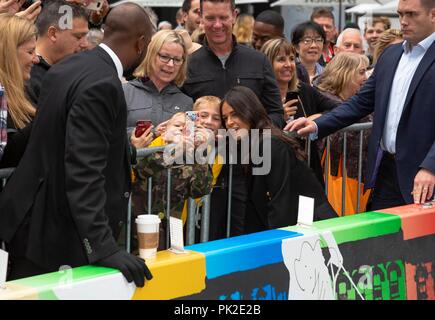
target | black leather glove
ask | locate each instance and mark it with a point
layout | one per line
(133, 268)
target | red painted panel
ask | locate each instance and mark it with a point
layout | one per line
(417, 221)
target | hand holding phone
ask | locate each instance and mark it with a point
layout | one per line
(292, 95)
(95, 5)
(189, 129)
(291, 105)
(31, 12)
(141, 127)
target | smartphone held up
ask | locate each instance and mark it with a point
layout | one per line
(191, 118)
(292, 95)
(141, 127)
(290, 110)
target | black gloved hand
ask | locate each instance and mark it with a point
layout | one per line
(133, 268)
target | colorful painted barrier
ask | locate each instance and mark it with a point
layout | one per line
(386, 255)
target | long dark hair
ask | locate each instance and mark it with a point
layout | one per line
(249, 108)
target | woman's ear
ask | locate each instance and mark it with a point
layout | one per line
(297, 48)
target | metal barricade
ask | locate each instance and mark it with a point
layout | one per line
(194, 214)
(193, 210)
(357, 127)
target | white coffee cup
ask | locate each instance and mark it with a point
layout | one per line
(148, 234)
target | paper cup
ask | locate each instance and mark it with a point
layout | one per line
(148, 234)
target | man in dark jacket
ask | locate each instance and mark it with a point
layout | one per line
(222, 64)
(58, 38)
(68, 197)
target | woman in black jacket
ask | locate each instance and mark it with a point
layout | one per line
(299, 99)
(282, 56)
(273, 186)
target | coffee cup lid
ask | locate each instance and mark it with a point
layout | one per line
(147, 219)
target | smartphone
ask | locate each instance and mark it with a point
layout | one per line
(141, 127)
(27, 3)
(191, 118)
(291, 95)
(95, 5)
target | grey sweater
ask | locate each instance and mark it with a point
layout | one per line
(145, 102)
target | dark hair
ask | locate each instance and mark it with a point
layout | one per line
(187, 4)
(352, 25)
(51, 14)
(299, 31)
(428, 4)
(233, 3)
(249, 108)
(322, 12)
(271, 17)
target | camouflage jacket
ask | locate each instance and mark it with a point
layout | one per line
(186, 181)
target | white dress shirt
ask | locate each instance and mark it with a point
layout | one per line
(405, 71)
(116, 61)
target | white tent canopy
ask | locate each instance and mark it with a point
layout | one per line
(388, 8)
(319, 3)
(363, 8)
(173, 3)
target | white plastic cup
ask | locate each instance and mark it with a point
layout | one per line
(148, 234)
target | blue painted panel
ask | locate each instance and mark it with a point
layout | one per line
(242, 253)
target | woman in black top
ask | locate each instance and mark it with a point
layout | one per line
(309, 103)
(273, 186)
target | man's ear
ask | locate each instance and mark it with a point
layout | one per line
(184, 17)
(52, 33)
(336, 50)
(235, 13)
(142, 46)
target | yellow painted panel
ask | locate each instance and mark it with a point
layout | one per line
(18, 292)
(174, 275)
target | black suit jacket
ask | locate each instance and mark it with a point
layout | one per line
(73, 181)
(415, 140)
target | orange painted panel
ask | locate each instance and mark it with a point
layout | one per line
(417, 221)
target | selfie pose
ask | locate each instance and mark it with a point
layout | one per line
(188, 180)
(272, 197)
(154, 94)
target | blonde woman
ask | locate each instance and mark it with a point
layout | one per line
(387, 38)
(243, 29)
(154, 94)
(342, 78)
(17, 56)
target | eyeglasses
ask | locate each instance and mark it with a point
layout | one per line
(308, 41)
(165, 59)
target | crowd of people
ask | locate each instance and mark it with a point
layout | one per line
(74, 83)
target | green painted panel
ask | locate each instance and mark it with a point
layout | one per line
(380, 282)
(47, 295)
(67, 276)
(355, 227)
